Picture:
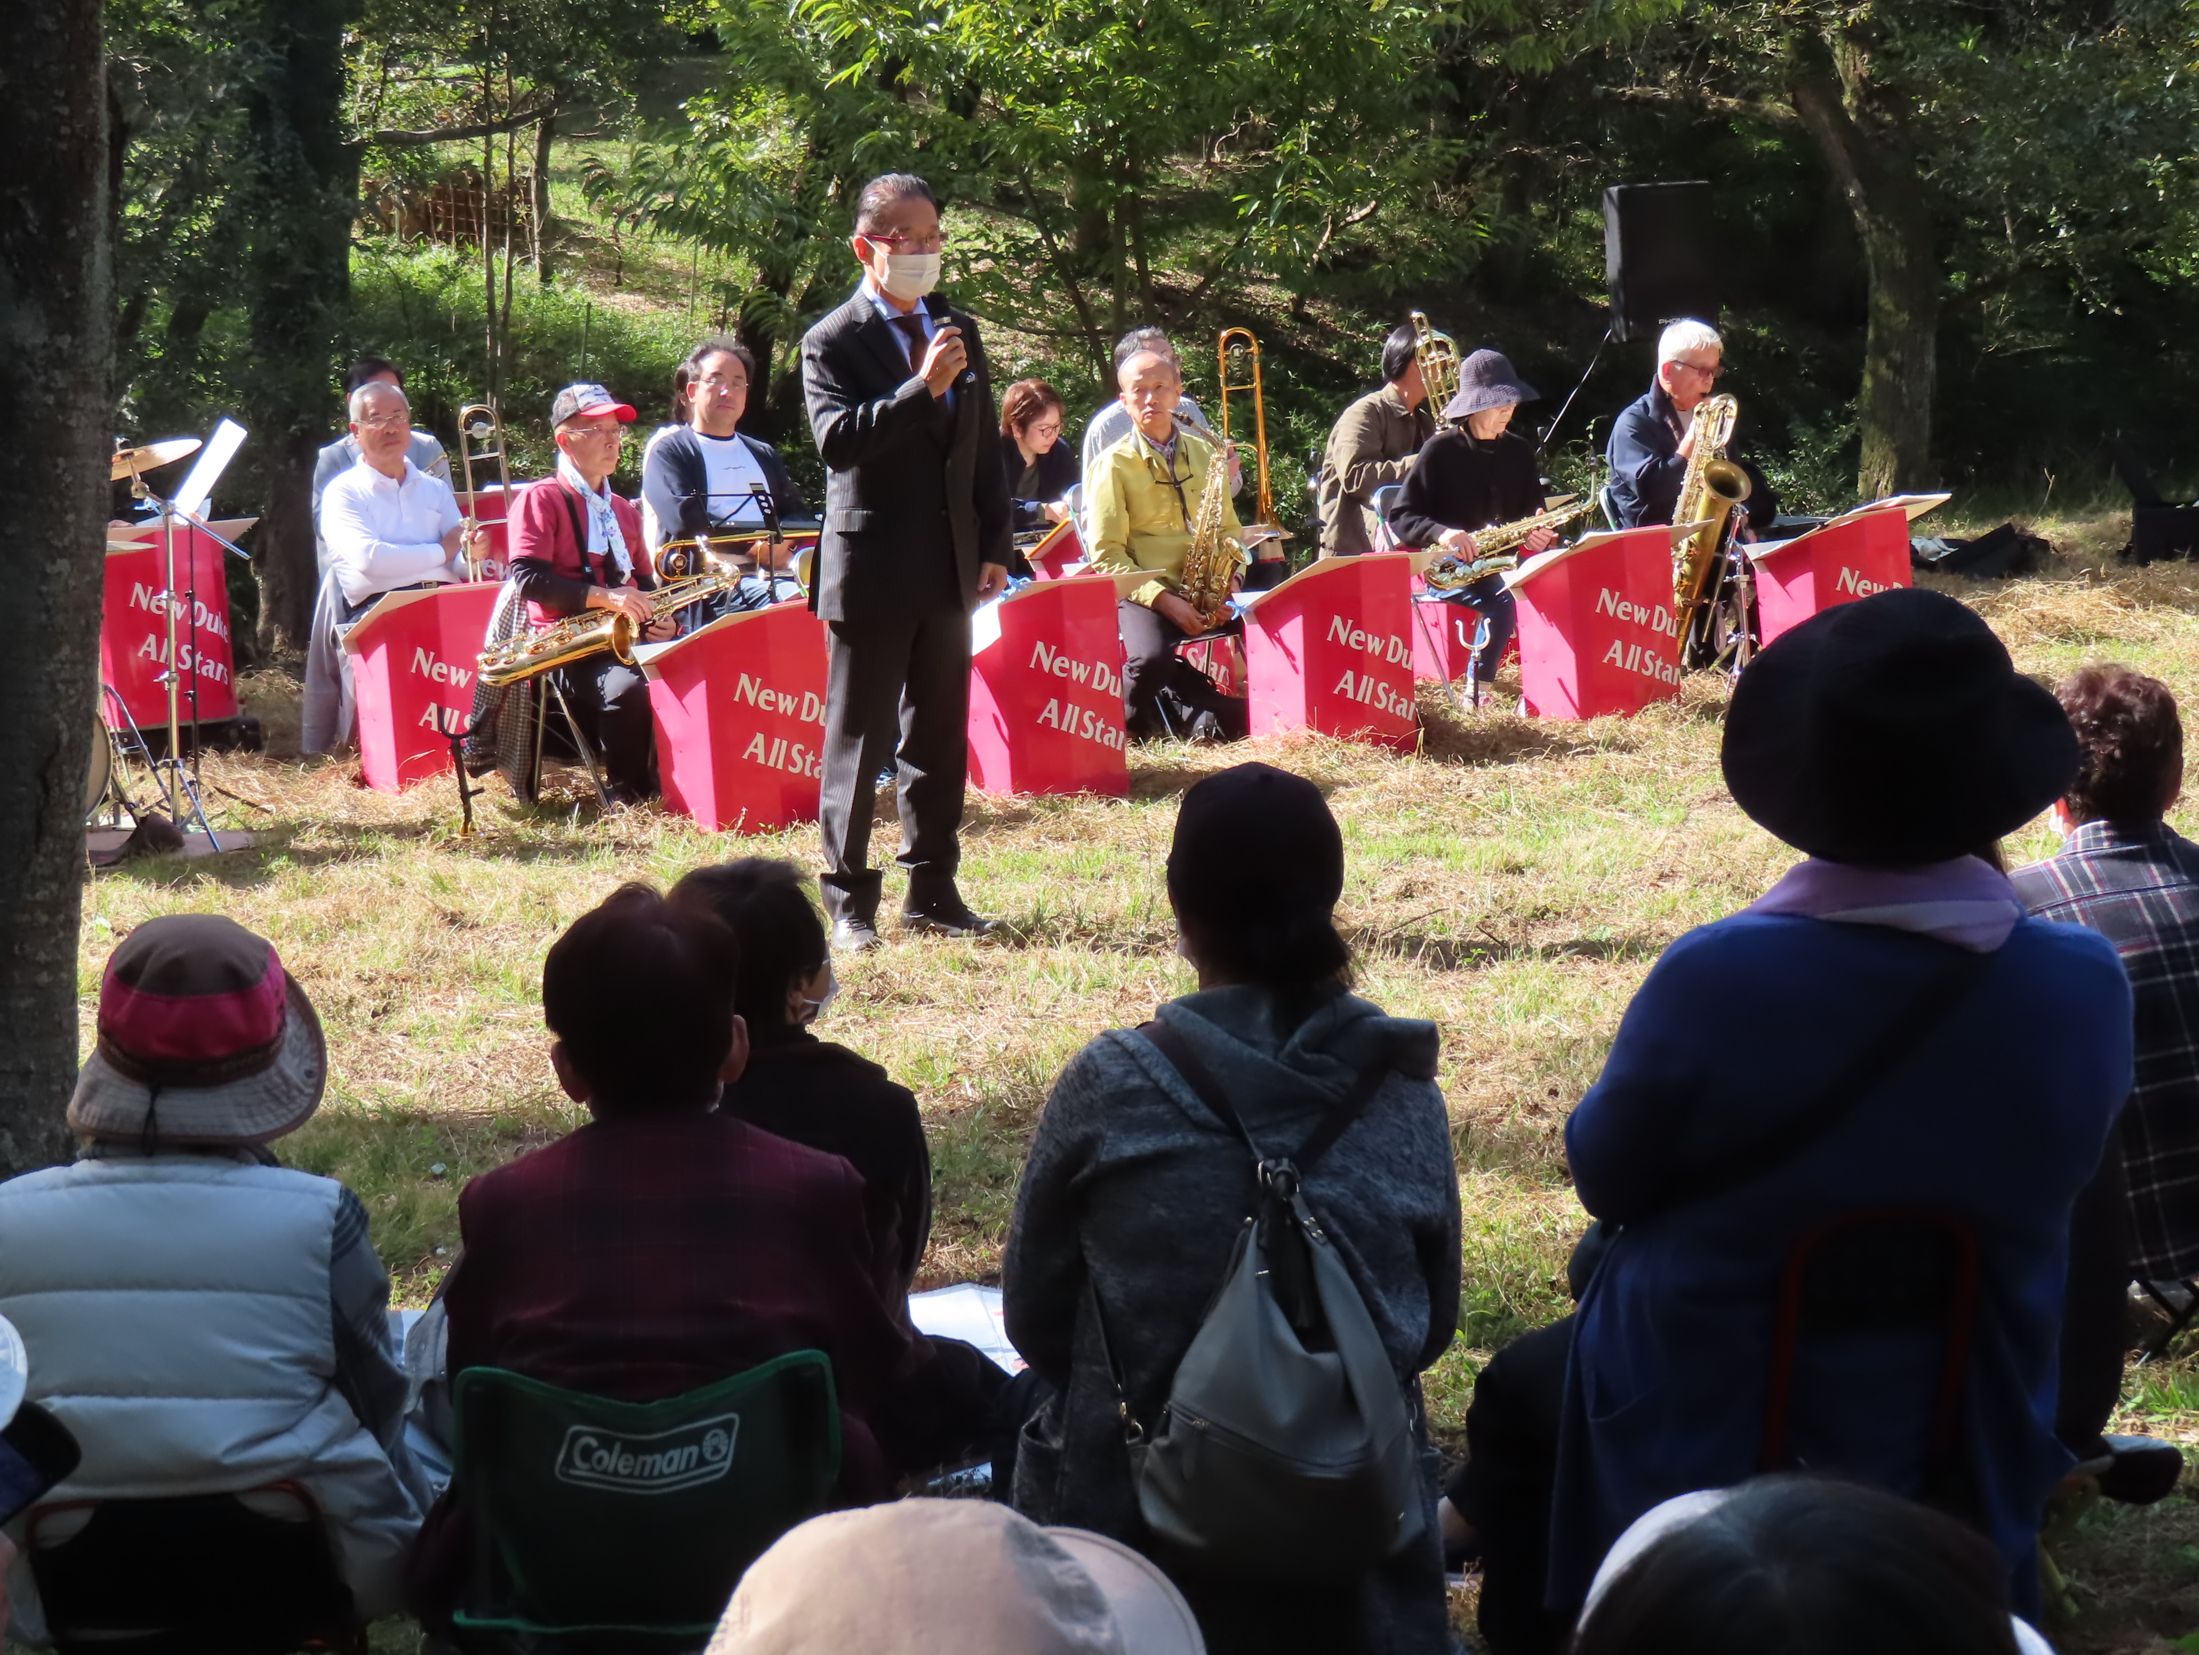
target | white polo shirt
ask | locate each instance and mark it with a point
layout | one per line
(385, 532)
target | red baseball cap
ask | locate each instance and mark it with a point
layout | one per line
(576, 401)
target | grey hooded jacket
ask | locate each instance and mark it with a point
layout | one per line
(1135, 1189)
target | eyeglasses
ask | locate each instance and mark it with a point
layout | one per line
(1698, 369)
(385, 422)
(896, 239)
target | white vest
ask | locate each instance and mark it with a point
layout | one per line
(176, 1313)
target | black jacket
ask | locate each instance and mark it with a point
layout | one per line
(915, 496)
(1462, 483)
(1646, 468)
(675, 481)
(826, 1097)
(1054, 475)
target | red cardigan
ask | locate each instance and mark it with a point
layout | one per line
(548, 533)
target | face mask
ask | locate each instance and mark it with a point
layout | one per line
(909, 276)
(814, 1009)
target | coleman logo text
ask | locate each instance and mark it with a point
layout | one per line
(660, 1463)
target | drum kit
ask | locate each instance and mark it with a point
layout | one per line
(118, 742)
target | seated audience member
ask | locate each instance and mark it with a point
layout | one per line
(1141, 497)
(667, 1245)
(1135, 1192)
(809, 1090)
(965, 1576)
(576, 546)
(1885, 1030)
(1799, 1566)
(1373, 445)
(2128, 875)
(708, 478)
(1041, 466)
(204, 1319)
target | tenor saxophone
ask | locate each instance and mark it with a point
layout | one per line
(1213, 560)
(1710, 489)
(1495, 547)
(593, 631)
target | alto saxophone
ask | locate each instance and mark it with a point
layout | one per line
(1494, 548)
(1710, 490)
(593, 631)
(1213, 560)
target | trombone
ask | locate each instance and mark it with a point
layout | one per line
(1240, 348)
(480, 440)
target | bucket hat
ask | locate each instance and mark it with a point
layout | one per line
(1892, 732)
(203, 1038)
(1485, 381)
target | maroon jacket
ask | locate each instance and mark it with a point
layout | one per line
(640, 1259)
(549, 531)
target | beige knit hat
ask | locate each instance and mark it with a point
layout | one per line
(963, 1575)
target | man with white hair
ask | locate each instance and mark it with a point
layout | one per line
(1653, 439)
(388, 525)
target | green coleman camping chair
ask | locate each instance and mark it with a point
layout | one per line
(593, 1517)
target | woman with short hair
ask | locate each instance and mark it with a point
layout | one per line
(1136, 1191)
(1042, 467)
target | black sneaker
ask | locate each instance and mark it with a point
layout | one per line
(2140, 1470)
(852, 934)
(949, 917)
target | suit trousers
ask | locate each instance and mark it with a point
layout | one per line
(897, 686)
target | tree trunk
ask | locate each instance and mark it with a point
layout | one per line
(539, 204)
(57, 310)
(298, 276)
(1857, 128)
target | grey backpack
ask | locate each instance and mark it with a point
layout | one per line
(1285, 1450)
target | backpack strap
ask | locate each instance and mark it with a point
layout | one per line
(1200, 1079)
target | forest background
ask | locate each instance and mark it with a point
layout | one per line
(1956, 241)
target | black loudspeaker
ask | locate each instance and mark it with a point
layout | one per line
(2158, 532)
(1657, 245)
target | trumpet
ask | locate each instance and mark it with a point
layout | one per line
(480, 440)
(1495, 547)
(1437, 354)
(1243, 346)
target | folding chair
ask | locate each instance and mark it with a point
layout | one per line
(594, 1518)
(1608, 504)
(1867, 1274)
(204, 1574)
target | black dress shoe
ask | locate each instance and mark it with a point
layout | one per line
(948, 918)
(852, 933)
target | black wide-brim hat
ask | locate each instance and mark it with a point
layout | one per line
(1893, 732)
(1485, 381)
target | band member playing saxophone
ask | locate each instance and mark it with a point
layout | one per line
(1652, 439)
(708, 479)
(1144, 495)
(1475, 474)
(577, 546)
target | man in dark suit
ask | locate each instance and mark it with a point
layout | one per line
(915, 536)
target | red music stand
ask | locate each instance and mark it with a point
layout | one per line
(491, 507)
(1597, 632)
(1329, 650)
(133, 629)
(740, 715)
(1054, 556)
(1046, 711)
(1859, 552)
(414, 657)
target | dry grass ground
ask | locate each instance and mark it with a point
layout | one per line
(1513, 883)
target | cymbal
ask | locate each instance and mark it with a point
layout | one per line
(128, 462)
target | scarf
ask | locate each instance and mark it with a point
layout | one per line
(603, 531)
(1964, 901)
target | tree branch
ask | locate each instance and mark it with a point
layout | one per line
(420, 139)
(1709, 103)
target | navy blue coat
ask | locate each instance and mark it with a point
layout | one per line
(1646, 468)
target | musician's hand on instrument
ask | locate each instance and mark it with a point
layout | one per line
(630, 601)
(1056, 511)
(1540, 541)
(944, 360)
(662, 630)
(1687, 443)
(1459, 542)
(1172, 608)
(992, 578)
(1236, 470)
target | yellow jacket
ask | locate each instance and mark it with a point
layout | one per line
(1141, 508)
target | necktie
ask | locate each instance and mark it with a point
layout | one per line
(912, 333)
